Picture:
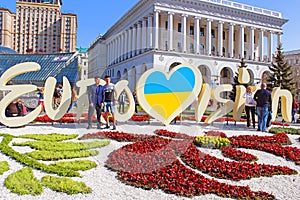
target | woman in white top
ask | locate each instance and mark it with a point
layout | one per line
(250, 106)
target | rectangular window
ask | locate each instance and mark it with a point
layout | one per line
(201, 31)
(213, 33)
(179, 27)
(245, 37)
(224, 35)
(166, 25)
(191, 30)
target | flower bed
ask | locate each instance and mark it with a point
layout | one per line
(165, 133)
(3, 167)
(238, 155)
(230, 170)
(175, 178)
(271, 144)
(216, 133)
(279, 138)
(23, 182)
(211, 141)
(116, 135)
(71, 118)
(292, 131)
(153, 162)
(140, 118)
(52, 148)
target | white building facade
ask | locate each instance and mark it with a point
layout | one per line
(213, 35)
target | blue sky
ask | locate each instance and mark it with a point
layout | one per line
(96, 17)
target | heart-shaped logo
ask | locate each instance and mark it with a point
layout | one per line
(165, 95)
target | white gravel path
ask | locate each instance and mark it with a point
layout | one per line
(104, 184)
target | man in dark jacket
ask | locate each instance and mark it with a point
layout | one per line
(263, 104)
(96, 97)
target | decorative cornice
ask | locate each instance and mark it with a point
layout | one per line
(217, 12)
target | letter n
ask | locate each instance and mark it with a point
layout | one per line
(286, 103)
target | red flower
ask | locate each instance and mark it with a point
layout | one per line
(152, 162)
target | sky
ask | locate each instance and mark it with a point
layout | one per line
(96, 17)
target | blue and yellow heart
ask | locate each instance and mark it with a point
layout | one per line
(167, 95)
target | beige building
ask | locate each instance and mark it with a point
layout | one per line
(213, 35)
(38, 26)
(293, 59)
(82, 62)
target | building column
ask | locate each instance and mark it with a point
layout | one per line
(129, 42)
(115, 50)
(197, 34)
(270, 45)
(122, 47)
(279, 38)
(150, 33)
(144, 35)
(208, 36)
(242, 43)
(156, 28)
(231, 40)
(112, 56)
(111, 52)
(184, 35)
(139, 36)
(125, 44)
(220, 38)
(252, 34)
(261, 45)
(108, 54)
(119, 48)
(133, 46)
(170, 31)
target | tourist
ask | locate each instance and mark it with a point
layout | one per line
(136, 103)
(249, 106)
(41, 98)
(12, 110)
(122, 101)
(96, 97)
(263, 104)
(270, 111)
(295, 106)
(22, 110)
(110, 95)
(57, 95)
(74, 98)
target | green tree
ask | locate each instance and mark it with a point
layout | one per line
(281, 72)
(236, 81)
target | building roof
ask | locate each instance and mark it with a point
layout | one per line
(54, 65)
(6, 50)
(81, 50)
(293, 52)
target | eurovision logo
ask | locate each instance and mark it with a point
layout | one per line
(162, 95)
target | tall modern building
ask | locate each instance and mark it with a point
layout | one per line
(213, 35)
(38, 26)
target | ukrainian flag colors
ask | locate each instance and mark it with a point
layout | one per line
(167, 95)
(166, 103)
